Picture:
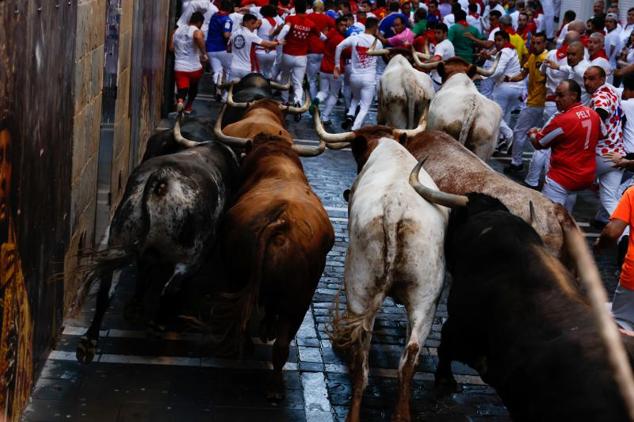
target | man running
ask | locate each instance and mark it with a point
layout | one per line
(220, 28)
(243, 43)
(363, 77)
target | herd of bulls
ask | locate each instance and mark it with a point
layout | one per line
(422, 204)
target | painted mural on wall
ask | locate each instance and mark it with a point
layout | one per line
(16, 334)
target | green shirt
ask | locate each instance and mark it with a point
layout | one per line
(420, 27)
(462, 45)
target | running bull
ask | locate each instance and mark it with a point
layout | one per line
(404, 94)
(168, 217)
(276, 235)
(460, 110)
(516, 316)
(445, 159)
(395, 249)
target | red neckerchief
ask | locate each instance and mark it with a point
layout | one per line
(562, 52)
(475, 15)
(584, 40)
(494, 27)
(600, 53)
(463, 22)
(508, 45)
(510, 30)
(362, 20)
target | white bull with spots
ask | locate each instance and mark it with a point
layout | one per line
(404, 94)
(395, 249)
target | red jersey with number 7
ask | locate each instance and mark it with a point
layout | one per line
(572, 137)
(297, 39)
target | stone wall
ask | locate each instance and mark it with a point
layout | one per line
(87, 99)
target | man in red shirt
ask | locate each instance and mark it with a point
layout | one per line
(572, 136)
(329, 87)
(323, 23)
(296, 32)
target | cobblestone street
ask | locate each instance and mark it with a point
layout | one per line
(136, 378)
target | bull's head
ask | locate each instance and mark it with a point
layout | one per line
(343, 140)
(302, 150)
(289, 109)
(272, 84)
(447, 68)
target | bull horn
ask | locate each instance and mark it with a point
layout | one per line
(281, 87)
(422, 125)
(372, 51)
(418, 55)
(424, 66)
(591, 280)
(178, 137)
(330, 138)
(309, 151)
(491, 71)
(225, 139)
(434, 196)
(297, 110)
(338, 145)
(232, 103)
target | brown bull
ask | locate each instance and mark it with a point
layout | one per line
(457, 170)
(277, 233)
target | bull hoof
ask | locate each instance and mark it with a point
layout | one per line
(86, 350)
(445, 386)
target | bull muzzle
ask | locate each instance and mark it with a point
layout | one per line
(435, 196)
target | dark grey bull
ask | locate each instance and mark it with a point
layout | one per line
(166, 222)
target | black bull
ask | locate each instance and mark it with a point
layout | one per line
(251, 88)
(168, 217)
(517, 317)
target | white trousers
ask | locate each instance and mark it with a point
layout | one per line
(529, 118)
(362, 87)
(238, 73)
(294, 67)
(558, 194)
(549, 17)
(541, 157)
(329, 88)
(220, 64)
(312, 69)
(609, 181)
(347, 91)
(508, 97)
(266, 62)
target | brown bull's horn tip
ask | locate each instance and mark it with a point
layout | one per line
(434, 196)
(310, 151)
(330, 138)
(225, 139)
(279, 86)
(297, 110)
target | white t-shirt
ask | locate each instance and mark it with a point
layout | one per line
(613, 45)
(554, 77)
(187, 54)
(444, 49)
(243, 43)
(449, 20)
(475, 22)
(206, 7)
(509, 65)
(265, 29)
(236, 20)
(627, 106)
(361, 63)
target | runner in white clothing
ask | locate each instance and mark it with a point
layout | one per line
(363, 78)
(443, 50)
(206, 7)
(243, 43)
(271, 23)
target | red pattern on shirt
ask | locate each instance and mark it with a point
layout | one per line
(297, 38)
(611, 129)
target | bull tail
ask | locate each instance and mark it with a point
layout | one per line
(591, 279)
(468, 122)
(252, 290)
(351, 328)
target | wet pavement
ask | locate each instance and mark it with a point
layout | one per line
(139, 378)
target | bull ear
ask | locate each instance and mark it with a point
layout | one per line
(402, 139)
(472, 71)
(248, 146)
(346, 195)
